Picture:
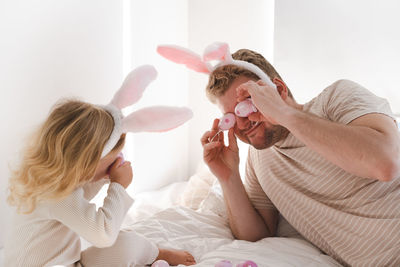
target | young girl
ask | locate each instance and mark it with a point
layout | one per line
(69, 159)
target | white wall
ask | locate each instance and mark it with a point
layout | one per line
(240, 23)
(50, 49)
(159, 158)
(318, 42)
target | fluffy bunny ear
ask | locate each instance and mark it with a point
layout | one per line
(156, 119)
(182, 55)
(133, 86)
(217, 51)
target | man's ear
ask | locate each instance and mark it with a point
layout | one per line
(281, 87)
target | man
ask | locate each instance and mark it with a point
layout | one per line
(331, 167)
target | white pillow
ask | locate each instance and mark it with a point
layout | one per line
(197, 188)
(214, 201)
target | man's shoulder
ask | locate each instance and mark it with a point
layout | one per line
(341, 91)
(342, 85)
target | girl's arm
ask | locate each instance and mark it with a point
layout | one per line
(98, 226)
(91, 189)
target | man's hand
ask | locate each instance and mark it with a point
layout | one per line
(222, 160)
(269, 102)
(121, 173)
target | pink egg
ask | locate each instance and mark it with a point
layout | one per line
(245, 108)
(227, 122)
(247, 263)
(223, 263)
(160, 263)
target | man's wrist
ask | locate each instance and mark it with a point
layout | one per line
(288, 117)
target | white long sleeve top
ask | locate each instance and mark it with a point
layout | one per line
(50, 234)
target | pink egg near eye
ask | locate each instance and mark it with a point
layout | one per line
(227, 122)
(245, 108)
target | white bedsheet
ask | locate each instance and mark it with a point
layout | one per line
(208, 237)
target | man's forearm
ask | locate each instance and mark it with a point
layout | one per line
(360, 150)
(245, 222)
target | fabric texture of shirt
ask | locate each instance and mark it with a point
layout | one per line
(50, 235)
(353, 219)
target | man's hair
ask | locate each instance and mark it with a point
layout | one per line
(222, 77)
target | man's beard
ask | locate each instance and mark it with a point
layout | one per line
(272, 136)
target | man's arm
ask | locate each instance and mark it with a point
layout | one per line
(245, 221)
(369, 146)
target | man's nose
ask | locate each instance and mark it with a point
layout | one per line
(242, 122)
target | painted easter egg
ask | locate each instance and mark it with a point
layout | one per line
(245, 108)
(227, 122)
(160, 263)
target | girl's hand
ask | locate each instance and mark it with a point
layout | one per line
(121, 173)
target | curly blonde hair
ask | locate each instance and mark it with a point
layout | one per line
(222, 77)
(62, 155)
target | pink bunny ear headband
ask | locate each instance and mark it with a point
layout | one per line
(150, 119)
(219, 52)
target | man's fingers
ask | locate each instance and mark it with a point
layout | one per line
(215, 125)
(205, 138)
(242, 92)
(261, 82)
(211, 148)
(232, 141)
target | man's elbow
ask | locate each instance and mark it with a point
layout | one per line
(389, 170)
(253, 236)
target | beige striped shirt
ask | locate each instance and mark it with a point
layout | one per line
(353, 219)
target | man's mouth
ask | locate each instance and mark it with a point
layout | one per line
(254, 125)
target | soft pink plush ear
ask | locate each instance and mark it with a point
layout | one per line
(182, 55)
(156, 119)
(217, 51)
(133, 86)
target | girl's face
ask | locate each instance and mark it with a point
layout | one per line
(104, 165)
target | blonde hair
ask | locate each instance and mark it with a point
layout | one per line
(63, 154)
(221, 78)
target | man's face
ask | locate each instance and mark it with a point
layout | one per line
(259, 134)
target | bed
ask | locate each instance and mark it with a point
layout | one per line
(191, 215)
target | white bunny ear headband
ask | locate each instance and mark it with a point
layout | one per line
(150, 119)
(220, 53)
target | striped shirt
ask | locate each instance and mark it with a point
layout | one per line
(353, 219)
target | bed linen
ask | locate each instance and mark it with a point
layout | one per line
(205, 232)
(208, 237)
